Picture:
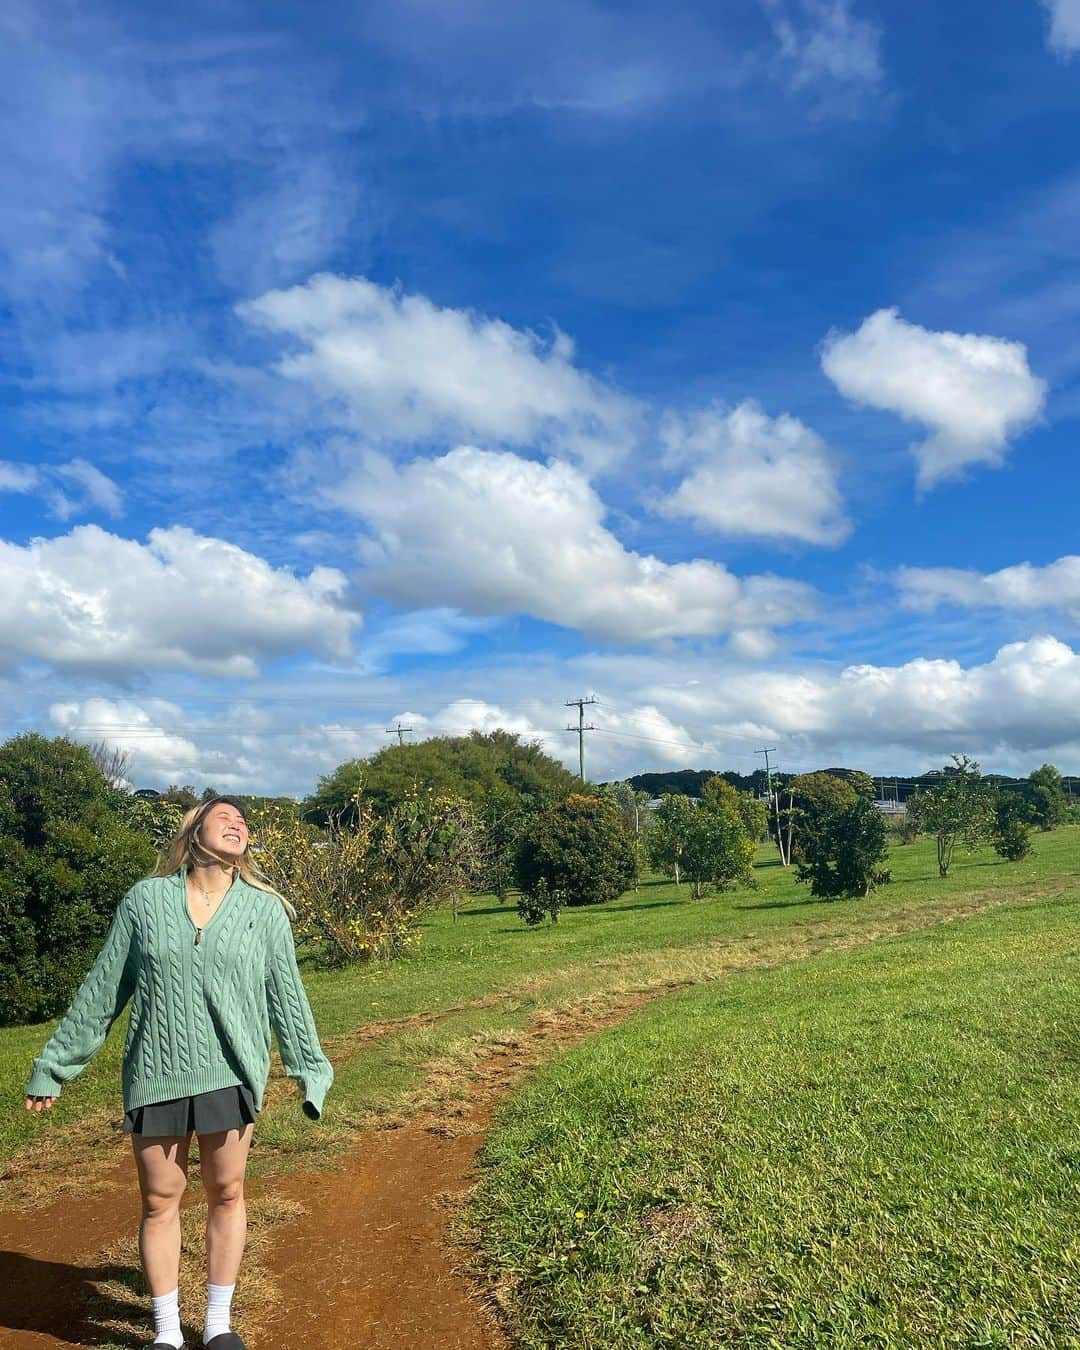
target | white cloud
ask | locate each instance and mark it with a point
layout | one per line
(404, 369)
(54, 482)
(755, 475)
(973, 393)
(693, 710)
(18, 477)
(822, 41)
(134, 728)
(92, 600)
(1023, 586)
(492, 533)
(1064, 34)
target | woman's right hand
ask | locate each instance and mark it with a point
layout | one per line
(36, 1103)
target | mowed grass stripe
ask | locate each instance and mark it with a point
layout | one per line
(878, 1148)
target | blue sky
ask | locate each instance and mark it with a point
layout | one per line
(442, 362)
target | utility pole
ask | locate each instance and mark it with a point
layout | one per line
(767, 751)
(400, 730)
(580, 704)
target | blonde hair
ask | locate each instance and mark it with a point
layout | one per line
(186, 849)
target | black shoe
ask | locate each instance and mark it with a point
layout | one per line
(228, 1340)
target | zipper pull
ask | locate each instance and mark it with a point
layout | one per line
(198, 936)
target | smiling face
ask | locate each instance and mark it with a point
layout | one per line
(224, 831)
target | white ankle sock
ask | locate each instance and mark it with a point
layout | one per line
(166, 1311)
(218, 1303)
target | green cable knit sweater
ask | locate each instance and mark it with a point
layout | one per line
(202, 1000)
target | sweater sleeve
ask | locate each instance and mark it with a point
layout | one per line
(290, 1015)
(100, 1000)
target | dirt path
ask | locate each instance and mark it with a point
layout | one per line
(364, 1262)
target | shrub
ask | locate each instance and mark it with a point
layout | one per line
(539, 904)
(843, 856)
(359, 885)
(575, 852)
(1013, 841)
(67, 856)
(1045, 793)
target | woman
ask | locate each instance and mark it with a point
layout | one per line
(204, 951)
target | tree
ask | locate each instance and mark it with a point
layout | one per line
(67, 855)
(717, 851)
(813, 798)
(112, 762)
(575, 852)
(494, 768)
(666, 840)
(1045, 791)
(720, 793)
(959, 809)
(842, 856)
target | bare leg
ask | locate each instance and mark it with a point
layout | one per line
(224, 1162)
(162, 1165)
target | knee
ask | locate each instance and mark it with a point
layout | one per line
(225, 1194)
(161, 1206)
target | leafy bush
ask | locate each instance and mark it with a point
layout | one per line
(539, 904)
(67, 855)
(844, 854)
(1013, 841)
(575, 852)
(813, 799)
(1045, 792)
(359, 885)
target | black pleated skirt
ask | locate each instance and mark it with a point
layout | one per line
(230, 1108)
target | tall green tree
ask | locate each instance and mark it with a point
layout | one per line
(489, 769)
(67, 855)
(1045, 791)
(812, 799)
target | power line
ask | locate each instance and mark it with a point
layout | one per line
(400, 730)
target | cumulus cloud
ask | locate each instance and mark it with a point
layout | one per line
(973, 393)
(698, 710)
(133, 728)
(69, 489)
(92, 600)
(755, 475)
(1064, 34)
(823, 41)
(1023, 586)
(404, 369)
(492, 533)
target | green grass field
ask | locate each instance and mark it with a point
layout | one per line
(486, 974)
(875, 1148)
(857, 1127)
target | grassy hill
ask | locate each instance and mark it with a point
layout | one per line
(854, 1125)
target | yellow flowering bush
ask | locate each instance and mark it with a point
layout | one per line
(359, 883)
